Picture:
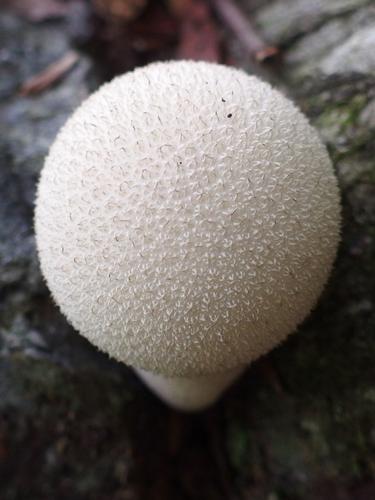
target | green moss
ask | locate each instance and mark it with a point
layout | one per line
(342, 115)
(63, 429)
(238, 444)
(338, 124)
(55, 387)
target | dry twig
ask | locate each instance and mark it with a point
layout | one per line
(49, 75)
(244, 30)
(270, 374)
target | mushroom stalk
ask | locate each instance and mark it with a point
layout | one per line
(190, 393)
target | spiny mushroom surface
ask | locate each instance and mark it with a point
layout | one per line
(187, 218)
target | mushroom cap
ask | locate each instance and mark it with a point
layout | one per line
(187, 218)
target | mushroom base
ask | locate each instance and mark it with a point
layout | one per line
(189, 394)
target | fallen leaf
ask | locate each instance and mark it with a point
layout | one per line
(178, 7)
(155, 30)
(123, 10)
(50, 75)
(199, 37)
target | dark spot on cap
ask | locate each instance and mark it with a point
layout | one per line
(230, 115)
(223, 100)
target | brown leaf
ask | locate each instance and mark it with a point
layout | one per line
(178, 7)
(38, 10)
(199, 38)
(50, 75)
(124, 10)
(155, 30)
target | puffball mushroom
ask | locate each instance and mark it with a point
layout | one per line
(187, 219)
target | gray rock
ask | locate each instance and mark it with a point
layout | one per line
(310, 48)
(283, 20)
(367, 116)
(305, 56)
(26, 49)
(28, 125)
(356, 55)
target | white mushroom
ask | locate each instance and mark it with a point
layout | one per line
(187, 219)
